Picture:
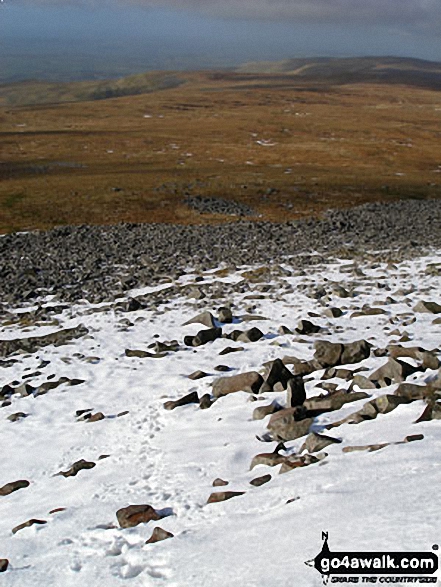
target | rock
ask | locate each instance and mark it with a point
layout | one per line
(14, 486)
(394, 371)
(158, 535)
(431, 412)
(428, 358)
(230, 349)
(222, 368)
(223, 496)
(196, 293)
(225, 315)
(327, 353)
(205, 336)
(363, 382)
(306, 327)
(261, 412)
(332, 372)
(251, 335)
(190, 398)
(205, 318)
(335, 401)
(333, 312)
(258, 481)
(27, 524)
(354, 352)
(277, 373)
(271, 459)
(285, 425)
(250, 382)
(367, 311)
(161, 348)
(132, 515)
(77, 467)
(34, 343)
(4, 564)
(316, 442)
(197, 375)
(413, 392)
(96, 417)
(138, 354)
(284, 330)
(17, 416)
(427, 307)
(205, 402)
(295, 462)
(219, 483)
(367, 447)
(295, 392)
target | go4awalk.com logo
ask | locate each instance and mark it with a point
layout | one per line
(399, 568)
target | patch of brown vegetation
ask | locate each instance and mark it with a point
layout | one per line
(284, 148)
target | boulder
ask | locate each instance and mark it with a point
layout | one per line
(250, 382)
(428, 307)
(190, 398)
(354, 352)
(133, 515)
(306, 327)
(258, 481)
(276, 373)
(158, 535)
(413, 392)
(225, 315)
(394, 371)
(295, 392)
(205, 318)
(14, 486)
(316, 442)
(205, 336)
(286, 425)
(327, 353)
(261, 412)
(251, 335)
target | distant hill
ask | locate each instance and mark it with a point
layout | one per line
(38, 92)
(338, 71)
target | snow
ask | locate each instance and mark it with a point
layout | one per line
(368, 501)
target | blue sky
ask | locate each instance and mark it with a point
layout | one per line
(170, 33)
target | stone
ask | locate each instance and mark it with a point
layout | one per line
(205, 318)
(138, 354)
(271, 459)
(284, 330)
(225, 316)
(327, 353)
(363, 382)
(258, 481)
(222, 368)
(77, 467)
(427, 307)
(28, 524)
(285, 425)
(306, 327)
(333, 312)
(205, 402)
(295, 392)
(250, 382)
(4, 564)
(133, 515)
(223, 496)
(394, 371)
(196, 293)
(251, 335)
(219, 483)
(96, 417)
(158, 535)
(367, 447)
(261, 412)
(428, 358)
(335, 401)
(431, 412)
(14, 486)
(197, 375)
(413, 392)
(34, 343)
(367, 311)
(230, 349)
(190, 398)
(205, 336)
(17, 416)
(316, 442)
(354, 352)
(277, 373)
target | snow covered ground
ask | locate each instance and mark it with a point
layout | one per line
(386, 500)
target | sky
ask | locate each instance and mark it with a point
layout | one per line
(93, 38)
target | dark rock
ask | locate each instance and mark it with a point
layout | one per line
(277, 373)
(14, 486)
(205, 402)
(354, 352)
(250, 382)
(286, 425)
(77, 467)
(431, 412)
(261, 412)
(327, 353)
(96, 417)
(333, 312)
(205, 336)
(27, 524)
(306, 327)
(284, 330)
(197, 375)
(428, 307)
(295, 392)
(219, 483)
(222, 368)
(223, 496)
(4, 564)
(225, 315)
(34, 343)
(190, 398)
(258, 481)
(158, 535)
(138, 354)
(251, 335)
(205, 318)
(316, 442)
(133, 515)
(230, 349)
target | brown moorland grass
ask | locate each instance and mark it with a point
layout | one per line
(285, 147)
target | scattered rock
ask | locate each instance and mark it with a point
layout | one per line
(4, 564)
(413, 392)
(17, 416)
(316, 442)
(219, 483)
(230, 349)
(14, 486)
(276, 373)
(190, 398)
(205, 336)
(34, 343)
(250, 382)
(158, 535)
(295, 391)
(223, 496)
(284, 330)
(428, 307)
(333, 312)
(77, 467)
(28, 524)
(287, 425)
(306, 327)
(327, 353)
(197, 375)
(96, 417)
(258, 481)
(205, 318)
(394, 371)
(225, 315)
(133, 515)
(251, 335)
(261, 412)
(271, 459)
(205, 402)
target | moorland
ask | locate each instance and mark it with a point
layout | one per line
(288, 139)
